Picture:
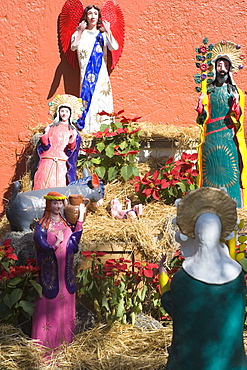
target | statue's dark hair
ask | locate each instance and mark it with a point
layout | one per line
(84, 16)
(70, 126)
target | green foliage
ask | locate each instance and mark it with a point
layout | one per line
(117, 145)
(18, 287)
(118, 288)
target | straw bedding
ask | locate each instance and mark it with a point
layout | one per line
(121, 347)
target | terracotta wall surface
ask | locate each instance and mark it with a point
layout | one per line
(153, 79)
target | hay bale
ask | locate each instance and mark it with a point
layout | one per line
(17, 351)
(120, 347)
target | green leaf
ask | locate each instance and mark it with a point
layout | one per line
(209, 55)
(182, 186)
(15, 296)
(37, 287)
(198, 57)
(104, 303)
(100, 171)
(118, 124)
(135, 171)
(123, 145)
(120, 309)
(110, 151)
(5, 265)
(103, 126)
(205, 40)
(198, 89)
(7, 300)
(14, 281)
(96, 160)
(143, 292)
(112, 173)
(126, 172)
(198, 65)
(243, 263)
(27, 306)
(100, 146)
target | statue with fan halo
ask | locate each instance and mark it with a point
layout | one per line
(90, 33)
(222, 154)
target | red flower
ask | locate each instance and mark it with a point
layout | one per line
(90, 150)
(203, 49)
(133, 131)
(153, 185)
(9, 254)
(104, 113)
(114, 266)
(93, 254)
(7, 242)
(121, 130)
(185, 157)
(146, 268)
(106, 133)
(203, 67)
(125, 119)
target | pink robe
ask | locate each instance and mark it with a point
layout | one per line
(60, 142)
(54, 320)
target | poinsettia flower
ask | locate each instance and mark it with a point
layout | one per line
(125, 119)
(185, 157)
(9, 254)
(7, 242)
(153, 185)
(137, 183)
(104, 113)
(114, 266)
(94, 254)
(90, 150)
(135, 130)
(170, 160)
(123, 154)
(145, 268)
(121, 130)
(101, 134)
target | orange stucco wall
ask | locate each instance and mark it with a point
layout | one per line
(154, 77)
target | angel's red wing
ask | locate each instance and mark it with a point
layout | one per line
(112, 13)
(69, 19)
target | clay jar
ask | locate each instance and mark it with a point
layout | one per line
(72, 208)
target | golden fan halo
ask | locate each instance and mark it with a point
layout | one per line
(232, 50)
(73, 101)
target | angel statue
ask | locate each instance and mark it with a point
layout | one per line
(222, 155)
(91, 32)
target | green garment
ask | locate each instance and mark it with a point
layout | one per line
(220, 156)
(208, 323)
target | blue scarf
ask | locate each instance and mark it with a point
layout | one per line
(91, 77)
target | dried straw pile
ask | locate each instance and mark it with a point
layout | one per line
(17, 351)
(184, 136)
(149, 236)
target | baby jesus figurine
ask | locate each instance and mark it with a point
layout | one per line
(128, 213)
